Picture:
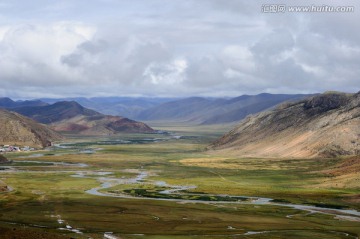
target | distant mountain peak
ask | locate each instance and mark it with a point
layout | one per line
(70, 103)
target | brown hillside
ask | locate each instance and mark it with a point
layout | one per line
(16, 129)
(101, 125)
(326, 125)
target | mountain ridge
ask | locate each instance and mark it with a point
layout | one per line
(8, 103)
(55, 112)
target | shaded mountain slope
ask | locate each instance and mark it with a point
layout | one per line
(214, 110)
(18, 130)
(326, 125)
(183, 110)
(240, 107)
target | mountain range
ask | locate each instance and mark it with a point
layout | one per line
(214, 110)
(321, 125)
(194, 110)
(326, 125)
(128, 107)
(70, 116)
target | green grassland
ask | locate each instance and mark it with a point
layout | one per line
(45, 192)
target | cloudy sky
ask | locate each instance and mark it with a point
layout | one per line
(175, 48)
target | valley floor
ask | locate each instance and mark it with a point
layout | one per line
(168, 186)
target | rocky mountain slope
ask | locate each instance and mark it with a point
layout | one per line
(69, 116)
(326, 125)
(16, 129)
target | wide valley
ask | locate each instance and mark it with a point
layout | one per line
(167, 185)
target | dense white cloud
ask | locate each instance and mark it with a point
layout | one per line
(29, 54)
(166, 74)
(177, 48)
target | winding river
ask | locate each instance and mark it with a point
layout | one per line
(108, 182)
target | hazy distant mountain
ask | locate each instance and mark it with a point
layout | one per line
(195, 110)
(8, 103)
(19, 130)
(238, 108)
(214, 110)
(180, 110)
(325, 125)
(125, 106)
(71, 116)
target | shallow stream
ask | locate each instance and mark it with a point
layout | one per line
(108, 182)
